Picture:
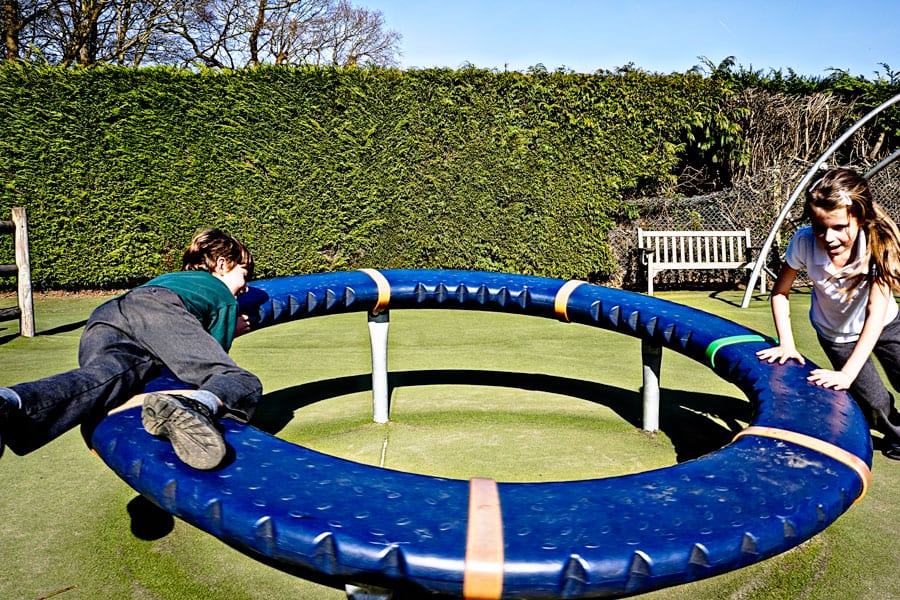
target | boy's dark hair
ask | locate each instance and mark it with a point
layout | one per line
(209, 245)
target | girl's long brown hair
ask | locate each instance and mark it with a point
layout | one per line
(845, 188)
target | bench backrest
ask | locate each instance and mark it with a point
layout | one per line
(711, 249)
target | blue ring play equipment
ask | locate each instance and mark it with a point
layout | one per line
(801, 463)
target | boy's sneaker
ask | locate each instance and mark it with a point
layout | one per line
(189, 425)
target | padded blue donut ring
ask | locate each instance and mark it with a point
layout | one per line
(803, 461)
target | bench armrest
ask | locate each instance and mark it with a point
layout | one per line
(752, 252)
(644, 253)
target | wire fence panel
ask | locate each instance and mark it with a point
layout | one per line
(754, 202)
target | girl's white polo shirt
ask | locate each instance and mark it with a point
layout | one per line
(836, 316)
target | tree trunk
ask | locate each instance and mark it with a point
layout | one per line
(10, 28)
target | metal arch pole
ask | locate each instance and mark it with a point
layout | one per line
(767, 245)
(883, 164)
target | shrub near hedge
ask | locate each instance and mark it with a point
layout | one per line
(327, 169)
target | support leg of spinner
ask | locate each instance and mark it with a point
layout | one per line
(355, 592)
(378, 336)
(651, 359)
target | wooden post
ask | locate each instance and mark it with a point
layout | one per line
(23, 264)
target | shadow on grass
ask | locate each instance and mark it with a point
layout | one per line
(691, 420)
(756, 297)
(64, 328)
(5, 339)
(148, 521)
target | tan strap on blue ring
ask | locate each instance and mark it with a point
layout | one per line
(561, 301)
(384, 290)
(483, 576)
(820, 446)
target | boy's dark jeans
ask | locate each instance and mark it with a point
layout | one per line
(125, 344)
(868, 389)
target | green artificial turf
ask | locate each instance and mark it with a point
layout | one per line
(475, 394)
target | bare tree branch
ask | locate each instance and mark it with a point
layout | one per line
(215, 33)
(16, 17)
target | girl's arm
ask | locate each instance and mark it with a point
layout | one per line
(879, 298)
(781, 312)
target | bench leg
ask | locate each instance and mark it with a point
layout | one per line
(651, 274)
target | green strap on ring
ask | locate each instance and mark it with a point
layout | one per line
(727, 341)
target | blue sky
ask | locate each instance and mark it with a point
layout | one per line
(656, 35)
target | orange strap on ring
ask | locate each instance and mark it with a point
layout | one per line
(820, 446)
(384, 290)
(483, 576)
(561, 302)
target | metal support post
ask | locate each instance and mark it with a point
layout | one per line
(651, 359)
(378, 336)
(355, 592)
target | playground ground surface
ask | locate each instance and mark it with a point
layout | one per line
(70, 528)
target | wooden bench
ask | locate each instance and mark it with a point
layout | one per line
(687, 250)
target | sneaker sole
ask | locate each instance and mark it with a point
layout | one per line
(195, 440)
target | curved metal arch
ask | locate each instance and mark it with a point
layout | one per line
(884, 163)
(776, 226)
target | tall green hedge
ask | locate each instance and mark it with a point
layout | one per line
(327, 169)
